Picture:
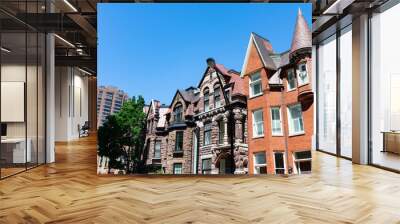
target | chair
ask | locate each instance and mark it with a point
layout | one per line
(84, 130)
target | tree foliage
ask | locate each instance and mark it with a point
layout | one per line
(121, 137)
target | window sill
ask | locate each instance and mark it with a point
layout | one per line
(255, 137)
(277, 135)
(291, 90)
(297, 134)
(303, 84)
(255, 96)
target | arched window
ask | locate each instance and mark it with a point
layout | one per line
(217, 96)
(178, 113)
(206, 100)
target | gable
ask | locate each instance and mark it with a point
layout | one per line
(208, 80)
(177, 98)
(254, 61)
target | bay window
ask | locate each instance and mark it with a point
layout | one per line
(291, 80)
(302, 76)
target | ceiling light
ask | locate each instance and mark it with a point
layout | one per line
(5, 50)
(64, 40)
(70, 5)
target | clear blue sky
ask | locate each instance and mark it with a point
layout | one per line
(154, 49)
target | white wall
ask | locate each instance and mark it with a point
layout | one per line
(71, 103)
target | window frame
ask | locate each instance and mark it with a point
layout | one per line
(176, 141)
(217, 95)
(178, 106)
(303, 160)
(206, 171)
(252, 83)
(284, 162)
(254, 125)
(205, 131)
(291, 70)
(298, 74)
(280, 121)
(259, 165)
(290, 124)
(206, 100)
(155, 147)
(174, 168)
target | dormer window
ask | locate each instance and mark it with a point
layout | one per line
(302, 76)
(206, 100)
(178, 110)
(217, 97)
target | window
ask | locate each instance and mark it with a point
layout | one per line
(206, 166)
(207, 134)
(302, 76)
(279, 163)
(255, 85)
(258, 123)
(206, 101)
(221, 132)
(295, 117)
(303, 161)
(260, 165)
(327, 95)
(179, 141)
(177, 168)
(276, 121)
(228, 94)
(178, 113)
(217, 97)
(157, 150)
(291, 79)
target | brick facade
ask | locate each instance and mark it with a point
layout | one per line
(276, 94)
(216, 117)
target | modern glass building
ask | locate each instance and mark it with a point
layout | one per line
(355, 44)
(48, 78)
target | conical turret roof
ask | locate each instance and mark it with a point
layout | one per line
(302, 34)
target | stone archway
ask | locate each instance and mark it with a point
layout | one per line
(223, 162)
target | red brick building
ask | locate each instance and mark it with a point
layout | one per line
(280, 104)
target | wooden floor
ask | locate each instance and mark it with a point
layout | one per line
(70, 192)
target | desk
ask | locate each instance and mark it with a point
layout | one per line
(391, 141)
(13, 150)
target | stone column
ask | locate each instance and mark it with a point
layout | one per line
(214, 169)
(225, 119)
(238, 127)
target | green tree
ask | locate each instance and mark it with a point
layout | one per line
(133, 119)
(121, 137)
(109, 142)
